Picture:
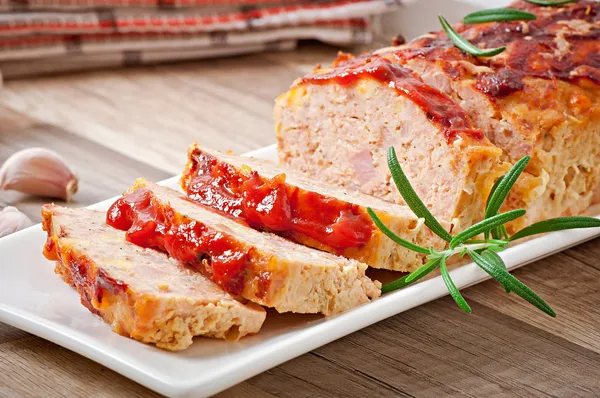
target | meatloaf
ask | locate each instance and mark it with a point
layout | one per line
(261, 267)
(318, 215)
(538, 98)
(140, 292)
(337, 124)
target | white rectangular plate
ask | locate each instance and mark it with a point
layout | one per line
(34, 299)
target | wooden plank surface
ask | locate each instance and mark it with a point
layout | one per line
(114, 126)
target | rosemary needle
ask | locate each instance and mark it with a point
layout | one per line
(498, 15)
(464, 44)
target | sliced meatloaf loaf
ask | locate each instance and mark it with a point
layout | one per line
(261, 267)
(540, 97)
(337, 123)
(140, 292)
(282, 201)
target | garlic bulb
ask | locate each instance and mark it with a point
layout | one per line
(12, 220)
(40, 172)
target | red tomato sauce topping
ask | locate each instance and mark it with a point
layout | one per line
(148, 224)
(274, 206)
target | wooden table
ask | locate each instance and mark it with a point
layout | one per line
(114, 126)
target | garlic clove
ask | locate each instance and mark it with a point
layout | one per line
(39, 172)
(12, 220)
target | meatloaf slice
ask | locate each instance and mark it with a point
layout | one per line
(541, 97)
(337, 123)
(140, 292)
(261, 267)
(282, 201)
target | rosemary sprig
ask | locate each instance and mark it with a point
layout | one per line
(547, 3)
(464, 44)
(498, 15)
(482, 251)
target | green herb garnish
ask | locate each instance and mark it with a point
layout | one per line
(498, 15)
(483, 252)
(547, 3)
(464, 44)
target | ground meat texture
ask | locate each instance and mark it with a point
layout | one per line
(141, 293)
(538, 98)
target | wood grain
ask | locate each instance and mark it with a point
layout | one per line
(153, 114)
(118, 125)
(436, 350)
(98, 178)
(32, 367)
(569, 285)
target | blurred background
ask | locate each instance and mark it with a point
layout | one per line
(49, 36)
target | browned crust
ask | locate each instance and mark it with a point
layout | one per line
(528, 45)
